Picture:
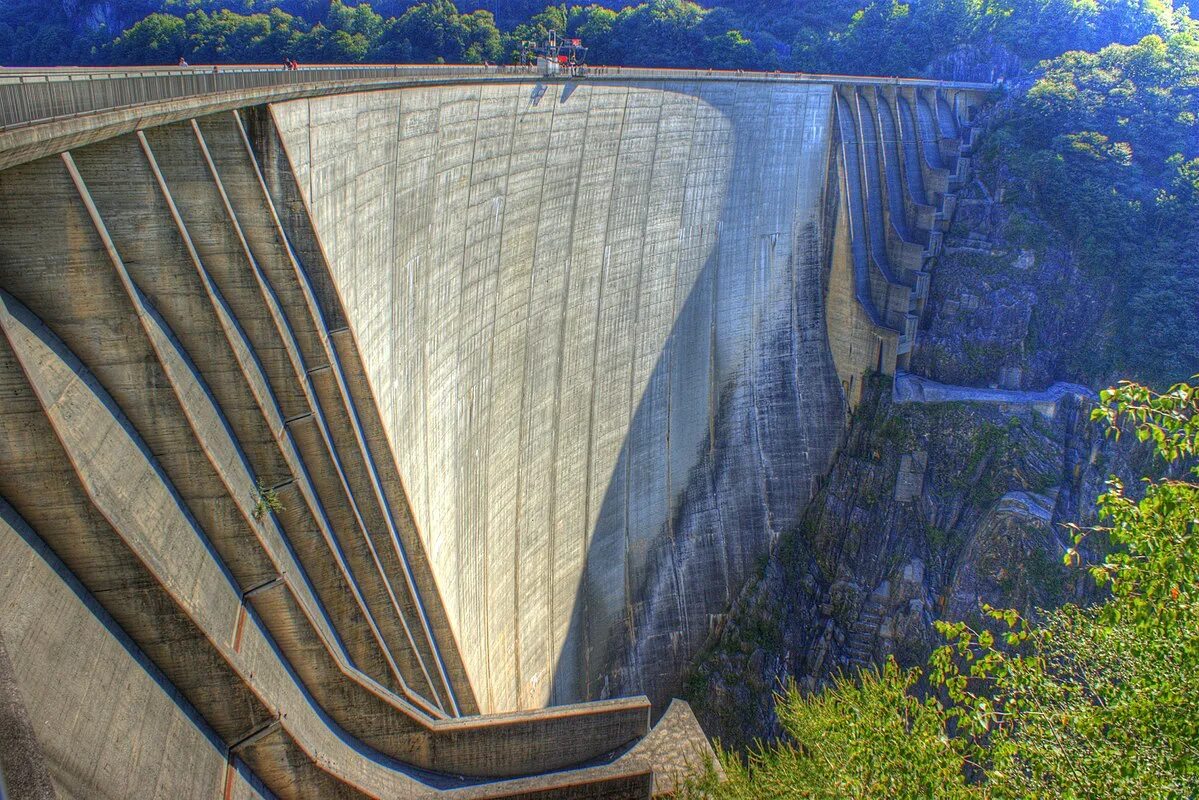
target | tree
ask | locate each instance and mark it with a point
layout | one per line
(220, 37)
(658, 33)
(1098, 148)
(360, 20)
(593, 24)
(435, 31)
(159, 38)
(731, 50)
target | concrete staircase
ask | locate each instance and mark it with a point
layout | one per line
(860, 640)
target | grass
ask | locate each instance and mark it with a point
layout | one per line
(266, 500)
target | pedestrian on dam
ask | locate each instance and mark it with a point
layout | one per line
(182, 61)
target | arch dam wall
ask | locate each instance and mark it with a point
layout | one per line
(333, 421)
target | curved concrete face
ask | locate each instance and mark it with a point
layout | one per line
(592, 318)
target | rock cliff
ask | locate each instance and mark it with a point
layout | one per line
(930, 510)
(1009, 305)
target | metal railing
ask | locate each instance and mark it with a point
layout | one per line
(36, 96)
(33, 96)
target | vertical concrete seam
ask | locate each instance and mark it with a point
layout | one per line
(523, 391)
(584, 583)
(485, 463)
(714, 378)
(458, 543)
(760, 286)
(676, 309)
(553, 502)
(631, 622)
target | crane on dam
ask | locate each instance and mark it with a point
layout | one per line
(556, 56)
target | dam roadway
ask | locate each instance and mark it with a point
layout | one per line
(346, 405)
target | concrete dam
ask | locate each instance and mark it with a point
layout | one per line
(405, 432)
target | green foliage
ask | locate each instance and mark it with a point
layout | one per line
(1103, 148)
(761, 632)
(867, 738)
(161, 35)
(938, 538)
(1087, 703)
(435, 31)
(1155, 576)
(266, 500)
(896, 430)
(345, 35)
(983, 477)
(848, 36)
(1046, 573)
(987, 442)
(890, 37)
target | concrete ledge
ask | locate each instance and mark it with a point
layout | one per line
(916, 389)
(508, 745)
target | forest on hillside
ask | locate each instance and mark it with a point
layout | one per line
(844, 36)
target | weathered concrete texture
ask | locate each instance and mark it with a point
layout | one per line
(150, 744)
(592, 316)
(673, 747)
(22, 765)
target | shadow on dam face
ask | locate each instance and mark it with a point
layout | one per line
(650, 585)
(593, 321)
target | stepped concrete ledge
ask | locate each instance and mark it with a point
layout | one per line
(909, 388)
(390, 432)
